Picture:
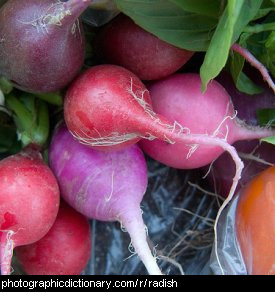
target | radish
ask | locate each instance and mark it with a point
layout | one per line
(29, 197)
(108, 107)
(104, 186)
(179, 98)
(64, 250)
(41, 43)
(124, 43)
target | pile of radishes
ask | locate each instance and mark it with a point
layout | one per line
(136, 100)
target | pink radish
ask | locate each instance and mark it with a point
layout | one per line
(29, 202)
(64, 250)
(124, 43)
(41, 43)
(179, 98)
(104, 186)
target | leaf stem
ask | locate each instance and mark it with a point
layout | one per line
(255, 63)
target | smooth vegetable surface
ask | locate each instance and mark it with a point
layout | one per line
(41, 43)
(179, 98)
(29, 197)
(124, 43)
(64, 250)
(104, 186)
(255, 223)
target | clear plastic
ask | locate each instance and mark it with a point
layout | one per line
(228, 260)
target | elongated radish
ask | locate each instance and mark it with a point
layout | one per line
(29, 202)
(104, 186)
(64, 250)
(41, 43)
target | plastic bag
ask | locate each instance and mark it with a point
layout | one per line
(230, 260)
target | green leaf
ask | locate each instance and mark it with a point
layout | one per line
(270, 140)
(210, 8)
(168, 21)
(54, 98)
(5, 85)
(235, 17)
(246, 85)
(217, 53)
(266, 117)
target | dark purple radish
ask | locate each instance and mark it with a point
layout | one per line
(106, 186)
(42, 44)
(247, 105)
(124, 43)
(29, 202)
(256, 157)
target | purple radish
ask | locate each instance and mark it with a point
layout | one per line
(42, 43)
(247, 105)
(256, 157)
(106, 186)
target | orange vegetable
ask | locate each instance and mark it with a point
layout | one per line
(255, 224)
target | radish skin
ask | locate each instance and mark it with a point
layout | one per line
(64, 250)
(29, 197)
(42, 44)
(124, 43)
(96, 184)
(179, 98)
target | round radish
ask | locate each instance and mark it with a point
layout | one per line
(29, 197)
(179, 98)
(124, 43)
(64, 250)
(41, 43)
(104, 186)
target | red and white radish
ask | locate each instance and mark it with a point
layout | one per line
(64, 250)
(29, 202)
(124, 43)
(41, 43)
(107, 186)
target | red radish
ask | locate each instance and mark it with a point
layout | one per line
(179, 98)
(29, 202)
(124, 43)
(64, 250)
(41, 43)
(104, 186)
